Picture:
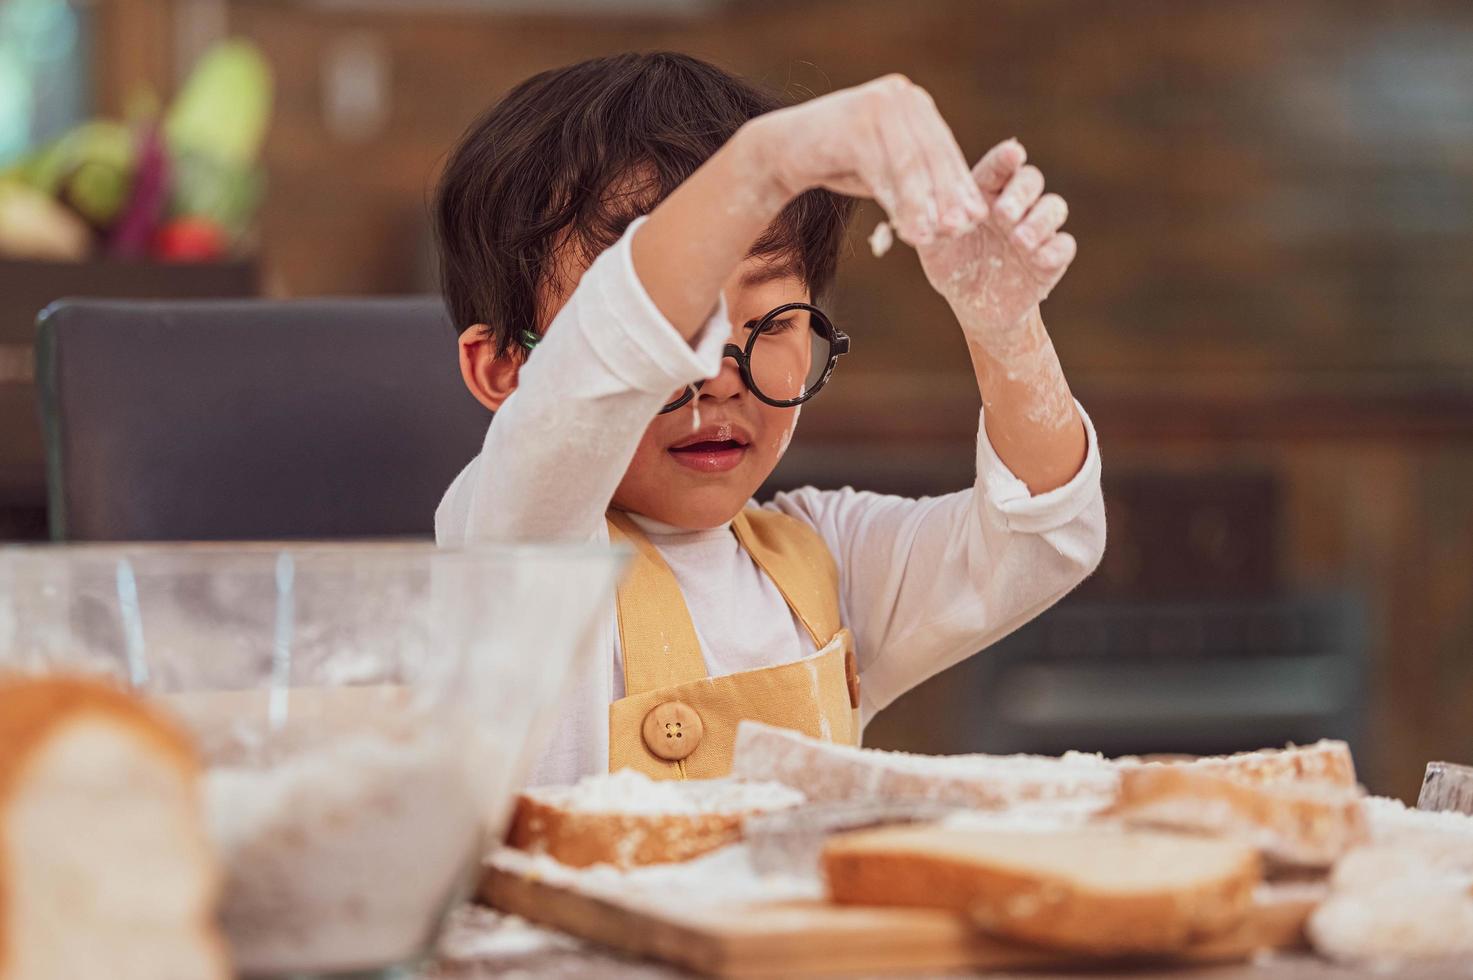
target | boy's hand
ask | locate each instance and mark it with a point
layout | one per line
(995, 276)
(883, 140)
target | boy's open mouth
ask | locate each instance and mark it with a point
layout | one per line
(711, 449)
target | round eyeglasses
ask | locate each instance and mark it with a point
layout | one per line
(789, 356)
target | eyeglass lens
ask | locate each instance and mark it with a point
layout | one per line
(787, 356)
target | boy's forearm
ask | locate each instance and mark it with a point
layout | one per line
(688, 248)
(1030, 415)
(559, 447)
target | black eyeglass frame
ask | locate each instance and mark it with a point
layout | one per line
(818, 321)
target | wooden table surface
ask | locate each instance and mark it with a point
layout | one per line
(482, 944)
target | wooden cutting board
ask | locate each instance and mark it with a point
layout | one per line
(793, 939)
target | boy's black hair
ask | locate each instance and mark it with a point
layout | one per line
(572, 155)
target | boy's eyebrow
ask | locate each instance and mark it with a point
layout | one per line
(768, 272)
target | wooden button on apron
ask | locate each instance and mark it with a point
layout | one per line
(673, 730)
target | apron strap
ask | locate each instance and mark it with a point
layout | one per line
(656, 634)
(799, 563)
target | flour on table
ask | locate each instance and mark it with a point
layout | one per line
(1390, 903)
(724, 877)
(478, 933)
(1393, 821)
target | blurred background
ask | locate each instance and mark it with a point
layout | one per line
(1268, 320)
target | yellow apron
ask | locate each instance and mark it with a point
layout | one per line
(675, 721)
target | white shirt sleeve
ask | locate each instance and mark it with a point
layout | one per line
(558, 447)
(927, 582)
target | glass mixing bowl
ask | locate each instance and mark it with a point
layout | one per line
(365, 713)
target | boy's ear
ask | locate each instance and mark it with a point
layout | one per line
(490, 378)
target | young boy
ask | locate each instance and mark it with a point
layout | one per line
(630, 249)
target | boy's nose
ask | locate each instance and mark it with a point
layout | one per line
(728, 382)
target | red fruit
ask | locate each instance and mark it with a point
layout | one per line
(190, 240)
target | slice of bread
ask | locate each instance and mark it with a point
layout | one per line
(1326, 761)
(627, 819)
(1092, 890)
(825, 772)
(105, 868)
(1302, 824)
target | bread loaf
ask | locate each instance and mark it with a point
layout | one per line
(1303, 824)
(627, 819)
(826, 772)
(1091, 890)
(105, 869)
(1326, 761)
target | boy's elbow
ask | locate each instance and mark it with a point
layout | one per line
(1078, 546)
(1096, 550)
(1089, 544)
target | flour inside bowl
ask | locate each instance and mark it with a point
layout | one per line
(345, 856)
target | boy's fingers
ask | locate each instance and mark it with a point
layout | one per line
(1058, 252)
(1046, 217)
(907, 170)
(873, 172)
(999, 164)
(958, 198)
(910, 119)
(1020, 194)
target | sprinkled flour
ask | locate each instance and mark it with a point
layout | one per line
(1394, 902)
(628, 791)
(881, 239)
(477, 933)
(724, 877)
(1393, 820)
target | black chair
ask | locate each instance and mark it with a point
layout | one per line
(250, 419)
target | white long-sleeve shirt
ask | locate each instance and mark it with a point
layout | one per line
(924, 583)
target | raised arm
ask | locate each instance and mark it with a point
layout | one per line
(882, 140)
(994, 278)
(929, 582)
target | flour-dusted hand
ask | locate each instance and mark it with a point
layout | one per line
(994, 276)
(994, 279)
(883, 140)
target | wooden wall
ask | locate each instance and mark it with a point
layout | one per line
(1254, 185)
(1273, 203)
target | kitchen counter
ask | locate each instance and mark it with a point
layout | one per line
(482, 944)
